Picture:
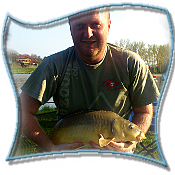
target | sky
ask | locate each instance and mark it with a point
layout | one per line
(149, 26)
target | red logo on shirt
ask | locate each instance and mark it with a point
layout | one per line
(111, 85)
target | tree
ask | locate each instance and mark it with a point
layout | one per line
(12, 54)
(34, 56)
(156, 57)
(163, 58)
(38, 58)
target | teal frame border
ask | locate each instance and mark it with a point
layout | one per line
(123, 5)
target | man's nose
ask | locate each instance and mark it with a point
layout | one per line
(88, 33)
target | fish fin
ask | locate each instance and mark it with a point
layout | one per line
(104, 142)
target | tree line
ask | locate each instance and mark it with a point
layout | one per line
(12, 54)
(155, 56)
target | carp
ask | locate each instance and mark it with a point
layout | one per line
(87, 125)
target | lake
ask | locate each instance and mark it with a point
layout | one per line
(20, 79)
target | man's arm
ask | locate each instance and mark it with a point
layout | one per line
(31, 128)
(142, 117)
(29, 124)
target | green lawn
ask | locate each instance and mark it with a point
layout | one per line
(20, 70)
(25, 146)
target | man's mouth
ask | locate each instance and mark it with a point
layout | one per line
(89, 42)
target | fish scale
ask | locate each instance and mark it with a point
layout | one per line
(86, 126)
(88, 117)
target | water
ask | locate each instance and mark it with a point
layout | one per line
(20, 79)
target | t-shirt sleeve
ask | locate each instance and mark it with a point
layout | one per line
(42, 84)
(143, 89)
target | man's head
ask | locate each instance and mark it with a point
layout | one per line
(89, 32)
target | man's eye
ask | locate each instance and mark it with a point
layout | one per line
(79, 26)
(96, 25)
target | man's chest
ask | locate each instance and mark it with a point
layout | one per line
(97, 89)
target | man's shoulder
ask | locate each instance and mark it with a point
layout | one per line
(63, 53)
(123, 53)
(121, 50)
(58, 60)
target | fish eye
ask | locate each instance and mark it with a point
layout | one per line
(131, 126)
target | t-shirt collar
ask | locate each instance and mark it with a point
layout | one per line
(88, 66)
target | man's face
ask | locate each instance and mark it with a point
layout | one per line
(89, 33)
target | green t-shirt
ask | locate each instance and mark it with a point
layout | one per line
(120, 81)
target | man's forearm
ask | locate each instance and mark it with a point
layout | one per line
(31, 129)
(29, 124)
(143, 117)
(142, 120)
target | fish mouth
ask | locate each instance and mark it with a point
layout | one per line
(140, 137)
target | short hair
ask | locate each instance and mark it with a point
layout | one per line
(101, 10)
(105, 10)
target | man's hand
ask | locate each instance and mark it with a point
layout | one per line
(68, 146)
(120, 146)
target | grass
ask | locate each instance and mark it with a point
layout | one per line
(150, 135)
(25, 146)
(24, 70)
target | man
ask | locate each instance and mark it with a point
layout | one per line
(90, 75)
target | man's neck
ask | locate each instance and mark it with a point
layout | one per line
(93, 60)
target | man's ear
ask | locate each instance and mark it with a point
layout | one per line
(109, 25)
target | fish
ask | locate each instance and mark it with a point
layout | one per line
(85, 126)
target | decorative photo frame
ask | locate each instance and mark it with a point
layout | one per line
(146, 150)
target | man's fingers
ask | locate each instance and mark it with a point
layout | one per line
(75, 145)
(68, 146)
